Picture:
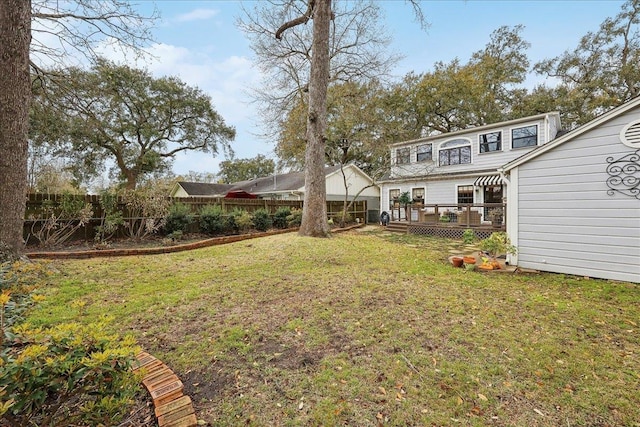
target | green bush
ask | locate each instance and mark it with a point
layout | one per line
(238, 221)
(338, 218)
(178, 218)
(67, 374)
(280, 217)
(111, 217)
(468, 237)
(295, 218)
(262, 220)
(212, 220)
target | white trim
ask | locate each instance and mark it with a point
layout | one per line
(573, 134)
(487, 133)
(473, 193)
(478, 129)
(511, 147)
(470, 145)
(512, 214)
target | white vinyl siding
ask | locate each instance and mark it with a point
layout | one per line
(566, 220)
(485, 161)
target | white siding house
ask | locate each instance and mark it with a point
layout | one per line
(574, 204)
(462, 166)
(290, 186)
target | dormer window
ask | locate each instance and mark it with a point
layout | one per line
(424, 153)
(403, 156)
(455, 152)
(524, 137)
(490, 142)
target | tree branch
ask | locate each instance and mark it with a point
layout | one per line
(298, 21)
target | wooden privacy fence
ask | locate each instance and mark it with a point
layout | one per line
(35, 210)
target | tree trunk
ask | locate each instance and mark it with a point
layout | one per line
(314, 213)
(15, 96)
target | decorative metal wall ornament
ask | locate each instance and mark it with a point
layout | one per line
(624, 175)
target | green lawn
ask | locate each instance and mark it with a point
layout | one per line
(368, 328)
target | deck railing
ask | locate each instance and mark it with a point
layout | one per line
(453, 215)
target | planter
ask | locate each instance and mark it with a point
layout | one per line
(485, 267)
(469, 260)
(457, 261)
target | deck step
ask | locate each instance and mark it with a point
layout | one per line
(397, 227)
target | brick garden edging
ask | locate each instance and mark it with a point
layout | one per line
(167, 249)
(172, 407)
(154, 251)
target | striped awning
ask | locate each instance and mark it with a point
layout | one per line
(482, 181)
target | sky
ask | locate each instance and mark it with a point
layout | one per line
(199, 42)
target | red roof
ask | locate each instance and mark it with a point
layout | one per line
(240, 194)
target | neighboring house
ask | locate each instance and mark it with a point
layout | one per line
(462, 167)
(574, 203)
(290, 186)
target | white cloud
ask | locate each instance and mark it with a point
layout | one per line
(197, 15)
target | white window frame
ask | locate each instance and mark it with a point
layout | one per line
(467, 144)
(473, 193)
(398, 162)
(430, 159)
(480, 144)
(522, 127)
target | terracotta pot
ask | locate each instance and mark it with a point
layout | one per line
(457, 261)
(469, 260)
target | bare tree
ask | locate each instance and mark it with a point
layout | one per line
(314, 212)
(358, 51)
(68, 32)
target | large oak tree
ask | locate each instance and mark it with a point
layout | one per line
(125, 115)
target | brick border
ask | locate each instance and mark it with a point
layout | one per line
(154, 251)
(172, 407)
(167, 249)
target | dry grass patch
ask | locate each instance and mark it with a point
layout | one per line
(368, 329)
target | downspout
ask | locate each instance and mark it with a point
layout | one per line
(511, 181)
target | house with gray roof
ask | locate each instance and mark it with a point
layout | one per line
(290, 186)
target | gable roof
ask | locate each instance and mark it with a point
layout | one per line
(284, 182)
(603, 118)
(204, 188)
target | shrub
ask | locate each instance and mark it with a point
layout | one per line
(342, 218)
(178, 218)
(262, 220)
(63, 375)
(295, 218)
(212, 220)
(280, 217)
(238, 221)
(60, 219)
(147, 209)
(468, 237)
(67, 374)
(498, 243)
(111, 217)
